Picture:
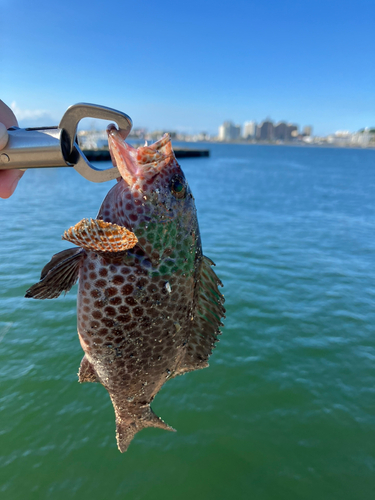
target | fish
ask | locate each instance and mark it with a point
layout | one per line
(149, 306)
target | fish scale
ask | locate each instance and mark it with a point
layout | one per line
(148, 304)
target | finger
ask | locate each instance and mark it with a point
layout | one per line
(3, 136)
(7, 116)
(8, 182)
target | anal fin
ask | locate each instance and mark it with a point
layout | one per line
(58, 276)
(86, 372)
(98, 236)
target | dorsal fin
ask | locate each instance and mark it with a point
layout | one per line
(207, 315)
(58, 276)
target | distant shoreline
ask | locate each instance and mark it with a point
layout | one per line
(287, 144)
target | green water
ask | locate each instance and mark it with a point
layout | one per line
(286, 409)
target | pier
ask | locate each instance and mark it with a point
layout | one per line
(103, 154)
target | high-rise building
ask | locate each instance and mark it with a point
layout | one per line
(280, 131)
(285, 131)
(292, 131)
(236, 132)
(265, 131)
(307, 131)
(249, 130)
(229, 132)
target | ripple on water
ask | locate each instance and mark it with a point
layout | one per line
(286, 407)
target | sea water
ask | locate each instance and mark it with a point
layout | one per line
(286, 409)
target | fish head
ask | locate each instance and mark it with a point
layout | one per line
(154, 198)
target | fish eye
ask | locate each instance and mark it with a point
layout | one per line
(178, 188)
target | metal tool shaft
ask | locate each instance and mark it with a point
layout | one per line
(32, 148)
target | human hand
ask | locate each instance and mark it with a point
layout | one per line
(8, 178)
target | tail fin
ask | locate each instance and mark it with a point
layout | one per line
(125, 430)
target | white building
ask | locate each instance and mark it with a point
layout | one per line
(229, 132)
(249, 130)
(364, 137)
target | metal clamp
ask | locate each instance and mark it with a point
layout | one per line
(57, 146)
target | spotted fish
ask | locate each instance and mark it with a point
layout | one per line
(149, 307)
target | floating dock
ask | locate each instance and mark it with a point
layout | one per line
(103, 154)
(190, 153)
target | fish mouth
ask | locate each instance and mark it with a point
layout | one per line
(141, 163)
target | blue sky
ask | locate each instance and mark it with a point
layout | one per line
(191, 65)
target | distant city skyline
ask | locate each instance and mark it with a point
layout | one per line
(28, 117)
(40, 117)
(170, 67)
(251, 133)
(266, 130)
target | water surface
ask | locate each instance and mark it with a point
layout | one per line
(286, 409)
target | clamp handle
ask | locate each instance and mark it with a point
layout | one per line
(32, 148)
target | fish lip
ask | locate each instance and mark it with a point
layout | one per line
(122, 155)
(141, 163)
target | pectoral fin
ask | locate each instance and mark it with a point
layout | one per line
(58, 276)
(98, 236)
(207, 315)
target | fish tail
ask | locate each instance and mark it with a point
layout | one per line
(124, 434)
(125, 430)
